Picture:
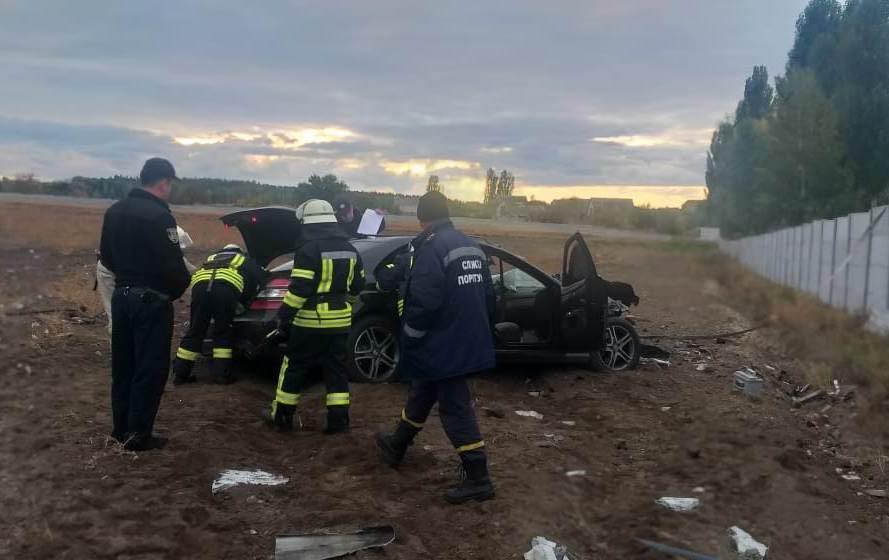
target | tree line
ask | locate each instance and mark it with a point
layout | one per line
(816, 144)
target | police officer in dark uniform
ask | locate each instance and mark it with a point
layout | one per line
(140, 245)
(226, 279)
(446, 335)
(316, 316)
(349, 217)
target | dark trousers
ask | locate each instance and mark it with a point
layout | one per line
(455, 410)
(307, 349)
(218, 304)
(140, 358)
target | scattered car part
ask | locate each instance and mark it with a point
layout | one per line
(674, 551)
(745, 545)
(231, 478)
(545, 549)
(807, 398)
(679, 504)
(331, 545)
(529, 414)
(749, 382)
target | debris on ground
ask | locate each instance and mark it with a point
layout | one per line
(493, 412)
(579, 472)
(674, 551)
(877, 493)
(698, 490)
(807, 398)
(746, 547)
(569, 422)
(656, 361)
(652, 351)
(534, 393)
(749, 382)
(679, 504)
(544, 549)
(331, 545)
(231, 478)
(529, 414)
(702, 367)
(848, 476)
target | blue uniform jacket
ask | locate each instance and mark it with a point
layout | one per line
(448, 307)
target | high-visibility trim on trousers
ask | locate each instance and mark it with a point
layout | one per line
(186, 355)
(222, 353)
(470, 447)
(337, 399)
(417, 425)
(282, 396)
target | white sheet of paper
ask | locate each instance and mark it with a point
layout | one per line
(370, 223)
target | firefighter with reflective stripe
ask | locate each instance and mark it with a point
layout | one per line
(316, 315)
(393, 277)
(446, 335)
(226, 279)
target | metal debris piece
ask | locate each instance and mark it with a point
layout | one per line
(745, 545)
(877, 493)
(677, 552)
(231, 478)
(579, 472)
(749, 382)
(807, 398)
(331, 545)
(529, 414)
(679, 504)
(569, 422)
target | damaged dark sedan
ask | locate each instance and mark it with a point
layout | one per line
(573, 316)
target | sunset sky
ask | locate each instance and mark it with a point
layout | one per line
(576, 98)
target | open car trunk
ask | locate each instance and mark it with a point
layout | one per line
(268, 232)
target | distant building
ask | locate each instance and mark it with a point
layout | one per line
(609, 205)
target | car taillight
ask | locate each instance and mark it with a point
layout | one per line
(271, 296)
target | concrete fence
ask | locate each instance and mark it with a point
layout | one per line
(843, 261)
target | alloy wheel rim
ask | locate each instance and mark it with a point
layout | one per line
(619, 348)
(376, 353)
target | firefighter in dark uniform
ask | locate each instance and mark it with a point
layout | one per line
(140, 246)
(446, 335)
(316, 316)
(225, 280)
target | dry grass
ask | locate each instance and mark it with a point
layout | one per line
(833, 344)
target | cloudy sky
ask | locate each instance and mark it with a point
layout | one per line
(601, 97)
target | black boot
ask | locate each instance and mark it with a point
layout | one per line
(221, 372)
(279, 416)
(144, 442)
(475, 483)
(337, 420)
(182, 372)
(395, 445)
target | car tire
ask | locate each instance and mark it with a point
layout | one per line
(622, 350)
(373, 353)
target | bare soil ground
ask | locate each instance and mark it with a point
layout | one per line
(67, 492)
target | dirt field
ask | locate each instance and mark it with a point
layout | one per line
(66, 492)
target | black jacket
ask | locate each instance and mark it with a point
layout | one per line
(327, 273)
(140, 245)
(448, 307)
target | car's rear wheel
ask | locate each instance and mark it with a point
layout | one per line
(373, 354)
(622, 347)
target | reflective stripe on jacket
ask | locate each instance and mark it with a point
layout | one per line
(222, 267)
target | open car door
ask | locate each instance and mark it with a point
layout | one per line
(584, 298)
(268, 232)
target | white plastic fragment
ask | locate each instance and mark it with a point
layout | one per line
(529, 414)
(569, 422)
(698, 489)
(746, 546)
(231, 478)
(701, 367)
(579, 472)
(679, 504)
(544, 549)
